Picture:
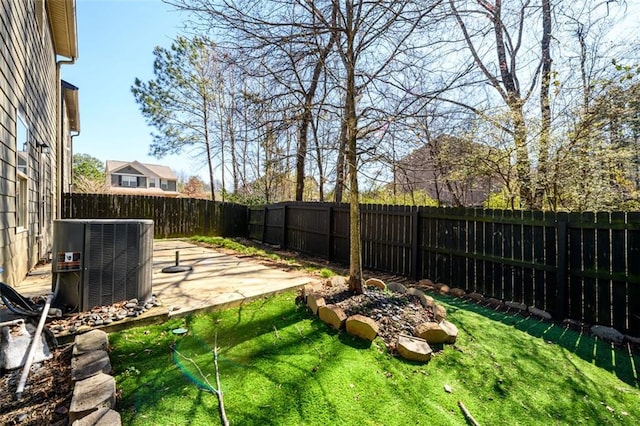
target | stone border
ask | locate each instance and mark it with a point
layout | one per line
(413, 348)
(608, 334)
(94, 391)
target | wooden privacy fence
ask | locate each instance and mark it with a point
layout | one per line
(584, 266)
(173, 217)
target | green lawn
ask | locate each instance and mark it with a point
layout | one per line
(280, 366)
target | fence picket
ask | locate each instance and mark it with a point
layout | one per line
(588, 266)
(173, 217)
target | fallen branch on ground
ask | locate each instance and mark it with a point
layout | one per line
(223, 414)
(210, 388)
(467, 414)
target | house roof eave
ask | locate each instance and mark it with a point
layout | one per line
(71, 101)
(62, 19)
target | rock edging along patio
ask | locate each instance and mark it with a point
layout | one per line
(411, 347)
(94, 392)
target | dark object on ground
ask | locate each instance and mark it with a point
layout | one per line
(177, 267)
(17, 303)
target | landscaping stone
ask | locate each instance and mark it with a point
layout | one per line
(574, 323)
(451, 330)
(413, 348)
(336, 281)
(632, 339)
(539, 313)
(493, 302)
(310, 288)
(457, 292)
(15, 342)
(608, 333)
(439, 312)
(415, 291)
(315, 301)
(94, 340)
(89, 364)
(426, 301)
(91, 394)
(397, 287)
(442, 288)
(102, 315)
(375, 282)
(426, 283)
(475, 296)
(332, 315)
(100, 417)
(432, 333)
(516, 305)
(362, 327)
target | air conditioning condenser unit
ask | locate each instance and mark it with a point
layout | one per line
(99, 262)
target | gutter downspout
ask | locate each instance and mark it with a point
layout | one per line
(71, 151)
(59, 136)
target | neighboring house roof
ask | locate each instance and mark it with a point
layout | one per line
(163, 172)
(71, 101)
(62, 16)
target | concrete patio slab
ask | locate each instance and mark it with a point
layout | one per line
(217, 280)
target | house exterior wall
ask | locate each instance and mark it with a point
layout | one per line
(28, 87)
(143, 181)
(447, 169)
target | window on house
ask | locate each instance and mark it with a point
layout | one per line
(152, 182)
(130, 181)
(22, 172)
(164, 184)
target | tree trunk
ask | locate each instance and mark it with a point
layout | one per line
(301, 152)
(523, 165)
(319, 162)
(207, 144)
(307, 117)
(222, 162)
(232, 146)
(542, 181)
(355, 267)
(342, 147)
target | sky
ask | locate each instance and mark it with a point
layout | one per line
(116, 39)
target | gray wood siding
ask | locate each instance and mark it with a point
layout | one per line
(27, 83)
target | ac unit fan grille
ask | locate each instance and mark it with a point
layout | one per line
(114, 260)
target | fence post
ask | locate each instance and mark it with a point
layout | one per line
(329, 219)
(561, 277)
(208, 204)
(264, 224)
(283, 244)
(415, 245)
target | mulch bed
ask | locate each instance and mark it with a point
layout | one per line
(395, 313)
(46, 397)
